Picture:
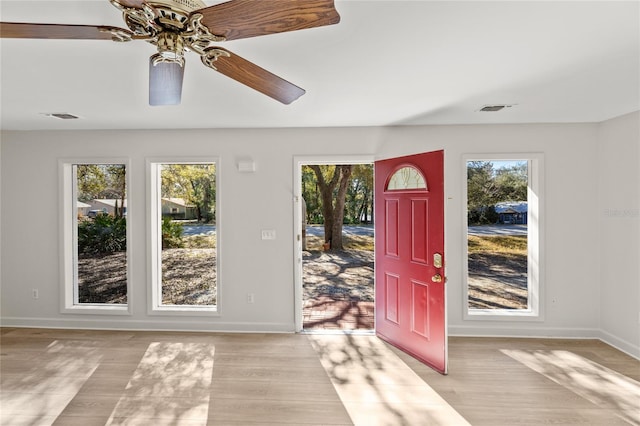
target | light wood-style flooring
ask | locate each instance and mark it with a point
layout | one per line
(82, 377)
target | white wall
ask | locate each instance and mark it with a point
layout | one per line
(248, 264)
(619, 220)
(570, 290)
(249, 202)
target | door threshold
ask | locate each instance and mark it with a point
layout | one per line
(338, 332)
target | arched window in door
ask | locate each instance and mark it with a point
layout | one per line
(406, 178)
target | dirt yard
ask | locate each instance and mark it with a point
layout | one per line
(497, 272)
(188, 277)
(342, 275)
(496, 280)
(102, 278)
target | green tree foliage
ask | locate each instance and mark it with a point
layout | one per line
(337, 194)
(359, 202)
(359, 195)
(311, 195)
(195, 183)
(96, 181)
(172, 234)
(91, 181)
(116, 186)
(512, 183)
(488, 185)
(104, 234)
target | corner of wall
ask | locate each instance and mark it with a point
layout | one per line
(618, 203)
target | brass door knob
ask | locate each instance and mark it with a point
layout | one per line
(437, 278)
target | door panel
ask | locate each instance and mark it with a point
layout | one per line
(410, 286)
(391, 228)
(391, 293)
(419, 308)
(419, 231)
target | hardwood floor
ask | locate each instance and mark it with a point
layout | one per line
(82, 377)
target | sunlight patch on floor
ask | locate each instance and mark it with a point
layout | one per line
(592, 381)
(169, 386)
(376, 386)
(44, 389)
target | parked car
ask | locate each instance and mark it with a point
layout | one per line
(94, 213)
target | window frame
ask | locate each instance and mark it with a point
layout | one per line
(535, 241)
(154, 240)
(68, 232)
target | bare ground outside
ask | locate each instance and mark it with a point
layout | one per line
(497, 272)
(188, 275)
(338, 289)
(496, 280)
(102, 278)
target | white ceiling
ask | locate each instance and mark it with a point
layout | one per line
(385, 63)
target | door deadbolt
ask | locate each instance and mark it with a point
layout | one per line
(437, 260)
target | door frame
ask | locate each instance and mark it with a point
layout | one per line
(298, 162)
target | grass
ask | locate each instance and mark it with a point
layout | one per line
(199, 241)
(510, 245)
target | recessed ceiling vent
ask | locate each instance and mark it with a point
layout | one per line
(62, 115)
(494, 108)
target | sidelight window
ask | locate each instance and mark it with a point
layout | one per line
(95, 236)
(502, 236)
(184, 235)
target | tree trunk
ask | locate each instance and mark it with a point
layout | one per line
(333, 213)
(338, 211)
(206, 200)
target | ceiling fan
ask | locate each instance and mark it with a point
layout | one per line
(177, 26)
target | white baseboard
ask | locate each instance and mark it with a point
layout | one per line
(511, 331)
(544, 332)
(150, 325)
(620, 344)
(260, 327)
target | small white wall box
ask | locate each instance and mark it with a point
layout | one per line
(246, 166)
(268, 234)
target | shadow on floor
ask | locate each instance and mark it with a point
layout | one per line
(326, 313)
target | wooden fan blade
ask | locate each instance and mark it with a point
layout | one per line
(257, 78)
(135, 4)
(56, 31)
(250, 18)
(165, 83)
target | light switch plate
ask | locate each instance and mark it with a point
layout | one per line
(268, 234)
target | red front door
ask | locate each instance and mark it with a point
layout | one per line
(410, 282)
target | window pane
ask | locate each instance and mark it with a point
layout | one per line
(497, 239)
(187, 209)
(406, 178)
(100, 234)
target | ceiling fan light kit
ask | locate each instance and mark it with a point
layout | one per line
(165, 82)
(178, 26)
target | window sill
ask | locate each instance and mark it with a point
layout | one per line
(185, 310)
(96, 309)
(501, 315)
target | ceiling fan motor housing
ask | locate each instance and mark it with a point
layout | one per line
(175, 13)
(187, 6)
(170, 48)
